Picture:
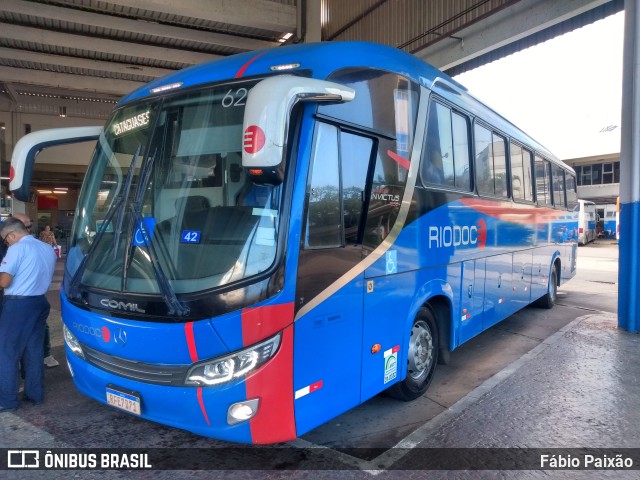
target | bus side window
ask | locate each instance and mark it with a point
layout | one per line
(484, 160)
(543, 182)
(336, 190)
(387, 188)
(446, 158)
(558, 187)
(323, 229)
(572, 193)
(521, 182)
(355, 156)
(461, 151)
(500, 166)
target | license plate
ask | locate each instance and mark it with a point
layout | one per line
(124, 400)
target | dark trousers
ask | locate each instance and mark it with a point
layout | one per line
(22, 329)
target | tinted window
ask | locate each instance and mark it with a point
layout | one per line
(500, 166)
(558, 187)
(491, 163)
(388, 182)
(384, 102)
(336, 190)
(521, 173)
(543, 182)
(323, 211)
(355, 154)
(572, 194)
(484, 160)
(461, 151)
(446, 155)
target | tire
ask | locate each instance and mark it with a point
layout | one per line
(422, 357)
(549, 299)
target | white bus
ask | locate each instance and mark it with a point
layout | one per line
(587, 221)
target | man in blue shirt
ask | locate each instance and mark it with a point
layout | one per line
(49, 361)
(25, 274)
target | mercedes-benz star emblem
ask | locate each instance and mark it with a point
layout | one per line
(120, 337)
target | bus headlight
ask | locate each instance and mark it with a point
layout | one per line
(234, 366)
(72, 342)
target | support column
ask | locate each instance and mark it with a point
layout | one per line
(629, 269)
(312, 21)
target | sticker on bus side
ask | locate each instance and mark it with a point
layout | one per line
(391, 363)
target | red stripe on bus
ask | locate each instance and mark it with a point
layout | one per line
(191, 341)
(514, 212)
(273, 385)
(403, 162)
(240, 72)
(262, 322)
(202, 407)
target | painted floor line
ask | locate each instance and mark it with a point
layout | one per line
(398, 451)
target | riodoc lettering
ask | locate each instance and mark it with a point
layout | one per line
(452, 236)
(86, 329)
(127, 306)
(458, 235)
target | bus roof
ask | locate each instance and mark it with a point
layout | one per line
(321, 59)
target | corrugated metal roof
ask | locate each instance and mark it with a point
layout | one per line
(121, 44)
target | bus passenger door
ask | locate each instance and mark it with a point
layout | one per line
(329, 290)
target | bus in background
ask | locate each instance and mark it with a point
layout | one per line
(609, 221)
(587, 221)
(264, 242)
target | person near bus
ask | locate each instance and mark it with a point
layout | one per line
(25, 274)
(49, 360)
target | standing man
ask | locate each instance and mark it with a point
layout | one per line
(49, 360)
(25, 274)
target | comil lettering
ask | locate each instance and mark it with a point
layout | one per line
(130, 307)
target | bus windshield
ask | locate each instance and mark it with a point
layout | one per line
(166, 196)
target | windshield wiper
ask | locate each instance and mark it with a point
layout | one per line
(118, 205)
(125, 191)
(176, 307)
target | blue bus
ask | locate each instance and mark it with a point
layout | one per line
(264, 242)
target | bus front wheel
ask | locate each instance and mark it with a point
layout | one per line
(549, 299)
(422, 357)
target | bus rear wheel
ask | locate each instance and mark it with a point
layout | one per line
(422, 357)
(549, 299)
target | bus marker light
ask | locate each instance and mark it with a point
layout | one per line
(242, 411)
(256, 171)
(285, 66)
(376, 348)
(164, 88)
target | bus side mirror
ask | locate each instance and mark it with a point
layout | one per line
(266, 120)
(26, 149)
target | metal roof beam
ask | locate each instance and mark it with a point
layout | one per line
(115, 47)
(263, 14)
(70, 15)
(82, 63)
(68, 81)
(520, 20)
